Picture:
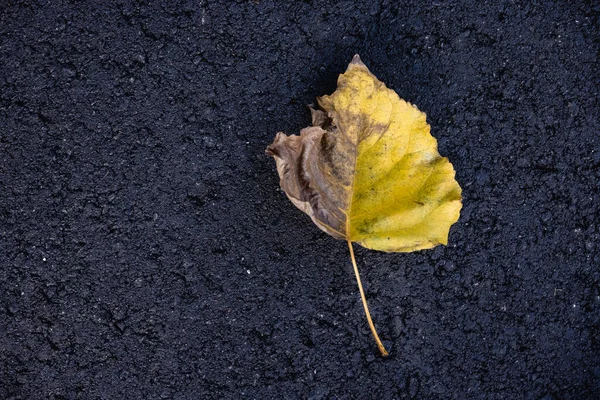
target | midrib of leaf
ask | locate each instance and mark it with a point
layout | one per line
(363, 298)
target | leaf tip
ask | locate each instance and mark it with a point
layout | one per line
(356, 61)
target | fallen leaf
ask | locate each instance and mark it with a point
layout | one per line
(368, 171)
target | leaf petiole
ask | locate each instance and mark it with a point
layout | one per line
(364, 302)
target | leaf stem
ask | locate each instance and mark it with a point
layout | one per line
(364, 302)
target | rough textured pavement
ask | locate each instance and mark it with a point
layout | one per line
(146, 251)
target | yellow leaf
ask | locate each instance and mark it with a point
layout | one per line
(368, 170)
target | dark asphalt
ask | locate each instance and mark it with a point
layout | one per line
(146, 251)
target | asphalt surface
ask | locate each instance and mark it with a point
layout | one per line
(146, 251)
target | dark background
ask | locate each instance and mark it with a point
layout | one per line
(146, 251)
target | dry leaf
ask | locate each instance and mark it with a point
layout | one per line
(368, 170)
